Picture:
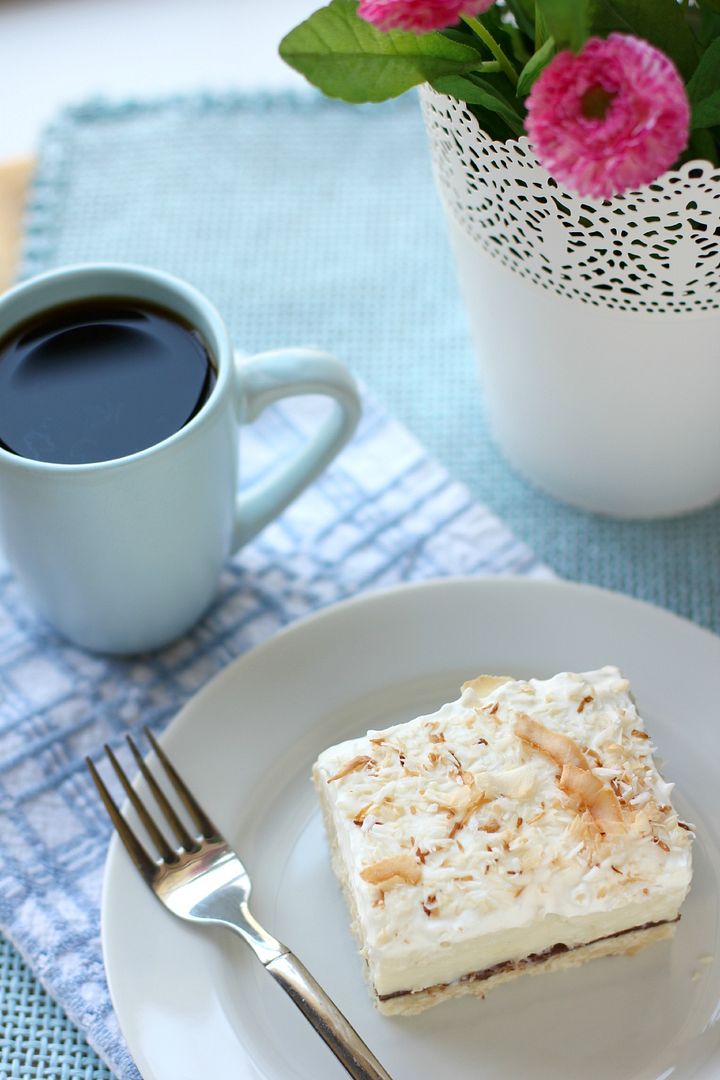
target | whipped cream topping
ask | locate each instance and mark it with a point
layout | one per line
(461, 850)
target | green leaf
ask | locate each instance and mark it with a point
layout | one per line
(707, 112)
(566, 20)
(706, 79)
(479, 91)
(702, 145)
(711, 5)
(709, 26)
(704, 89)
(534, 66)
(348, 58)
(524, 12)
(460, 33)
(661, 22)
(493, 125)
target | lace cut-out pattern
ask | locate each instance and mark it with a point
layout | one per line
(653, 250)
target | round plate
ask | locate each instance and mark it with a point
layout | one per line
(194, 1003)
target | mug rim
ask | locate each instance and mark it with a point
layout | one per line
(220, 349)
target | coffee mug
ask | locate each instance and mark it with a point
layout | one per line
(123, 556)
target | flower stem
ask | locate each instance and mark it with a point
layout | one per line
(485, 36)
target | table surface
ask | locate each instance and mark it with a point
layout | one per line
(117, 49)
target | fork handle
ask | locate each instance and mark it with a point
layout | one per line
(326, 1018)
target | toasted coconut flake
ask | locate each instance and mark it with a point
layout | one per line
(472, 805)
(485, 684)
(639, 734)
(475, 803)
(437, 737)
(356, 763)
(483, 742)
(455, 802)
(592, 793)
(559, 748)
(585, 701)
(430, 906)
(607, 813)
(395, 869)
(464, 804)
(467, 778)
(491, 827)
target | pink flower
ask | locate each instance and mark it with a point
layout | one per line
(420, 16)
(611, 118)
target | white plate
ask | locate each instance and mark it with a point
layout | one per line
(194, 1004)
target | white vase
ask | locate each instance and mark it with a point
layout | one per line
(596, 324)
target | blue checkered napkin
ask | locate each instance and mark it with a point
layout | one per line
(384, 513)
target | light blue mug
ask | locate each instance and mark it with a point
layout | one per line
(125, 555)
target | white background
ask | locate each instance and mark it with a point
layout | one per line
(55, 52)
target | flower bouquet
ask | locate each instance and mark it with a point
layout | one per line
(575, 146)
(611, 92)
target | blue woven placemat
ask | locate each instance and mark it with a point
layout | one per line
(272, 207)
(36, 1037)
(309, 222)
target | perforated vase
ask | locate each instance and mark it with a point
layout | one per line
(596, 324)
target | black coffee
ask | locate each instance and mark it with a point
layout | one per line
(99, 379)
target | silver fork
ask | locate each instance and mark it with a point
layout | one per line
(203, 880)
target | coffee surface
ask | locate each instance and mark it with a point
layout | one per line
(96, 380)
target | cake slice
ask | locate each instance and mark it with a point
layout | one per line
(522, 828)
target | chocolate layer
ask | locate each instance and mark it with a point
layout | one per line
(533, 958)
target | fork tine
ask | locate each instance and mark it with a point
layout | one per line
(196, 812)
(166, 851)
(173, 820)
(134, 848)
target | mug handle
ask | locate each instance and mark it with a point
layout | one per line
(266, 378)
